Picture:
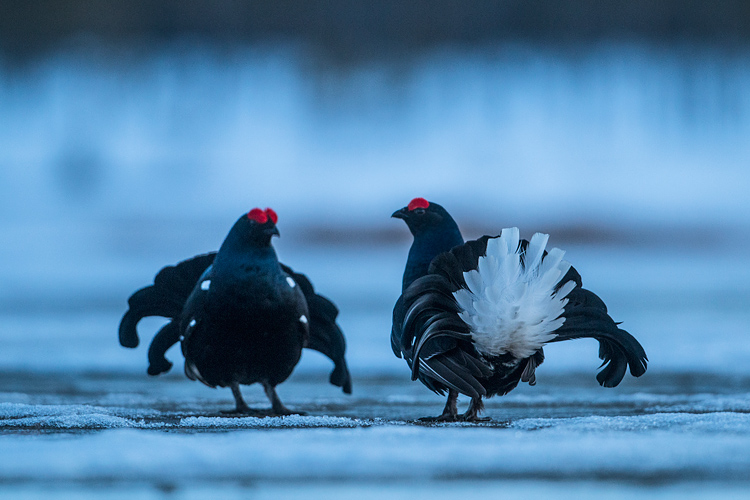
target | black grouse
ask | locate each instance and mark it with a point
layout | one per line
(473, 317)
(241, 316)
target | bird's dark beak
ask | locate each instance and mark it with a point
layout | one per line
(272, 231)
(401, 214)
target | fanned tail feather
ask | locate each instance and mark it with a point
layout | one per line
(586, 317)
(148, 301)
(163, 340)
(166, 298)
(325, 335)
(510, 301)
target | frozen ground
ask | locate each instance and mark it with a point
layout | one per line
(634, 158)
(79, 416)
(81, 434)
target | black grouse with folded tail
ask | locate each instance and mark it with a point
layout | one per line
(242, 317)
(473, 317)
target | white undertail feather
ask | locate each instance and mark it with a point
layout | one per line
(511, 307)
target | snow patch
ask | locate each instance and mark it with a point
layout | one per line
(301, 421)
(723, 422)
(16, 415)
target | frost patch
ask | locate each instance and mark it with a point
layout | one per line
(677, 422)
(295, 421)
(65, 417)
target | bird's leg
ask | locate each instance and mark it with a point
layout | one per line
(277, 407)
(450, 412)
(472, 413)
(242, 408)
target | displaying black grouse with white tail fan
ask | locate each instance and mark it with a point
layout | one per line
(242, 316)
(473, 317)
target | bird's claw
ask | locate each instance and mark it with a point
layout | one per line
(473, 419)
(445, 417)
(244, 412)
(285, 412)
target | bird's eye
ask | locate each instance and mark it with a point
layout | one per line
(419, 211)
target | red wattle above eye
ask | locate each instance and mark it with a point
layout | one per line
(272, 215)
(257, 215)
(418, 203)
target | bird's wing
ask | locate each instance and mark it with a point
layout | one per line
(166, 297)
(436, 343)
(325, 335)
(162, 341)
(586, 317)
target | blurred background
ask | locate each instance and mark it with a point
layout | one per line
(133, 134)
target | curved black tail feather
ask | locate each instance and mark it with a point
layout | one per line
(325, 335)
(166, 298)
(586, 317)
(163, 340)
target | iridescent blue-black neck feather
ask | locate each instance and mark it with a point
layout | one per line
(434, 232)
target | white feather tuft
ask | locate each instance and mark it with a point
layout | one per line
(510, 306)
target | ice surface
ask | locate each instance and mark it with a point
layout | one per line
(154, 436)
(270, 422)
(74, 417)
(58, 417)
(659, 447)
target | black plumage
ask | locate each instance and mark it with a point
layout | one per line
(241, 316)
(443, 350)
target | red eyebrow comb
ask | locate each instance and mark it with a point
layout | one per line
(257, 215)
(272, 215)
(418, 203)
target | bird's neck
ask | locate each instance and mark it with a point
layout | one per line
(427, 246)
(247, 256)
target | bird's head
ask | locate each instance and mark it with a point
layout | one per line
(422, 216)
(259, 226)
(434, 232)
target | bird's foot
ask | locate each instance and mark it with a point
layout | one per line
(277, 407)
(445, 417)
(244, 411)
(285, 412)
(450, 414)
(473, 418)
(472, 413)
